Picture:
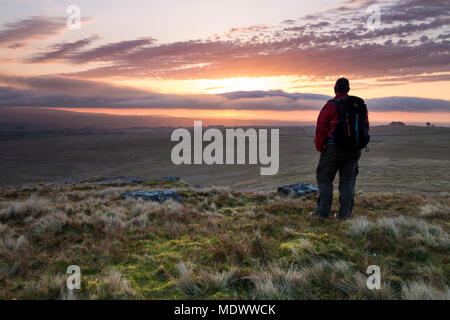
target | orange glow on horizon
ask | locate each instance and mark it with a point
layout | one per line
(291, 116)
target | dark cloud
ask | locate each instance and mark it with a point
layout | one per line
(18, 97)
(61, 50)
(17, 45)
(110, 51)
(393, 11)
(430, 78)
(414, 10)
(70, 87)
(31, 28)
(288, 21)
(400, 30)
(444, 36)
(407, 104)
(273, 93)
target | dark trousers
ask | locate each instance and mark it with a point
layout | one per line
(332, 160)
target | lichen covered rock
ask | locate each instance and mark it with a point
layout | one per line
(298, 189)
(159, 195)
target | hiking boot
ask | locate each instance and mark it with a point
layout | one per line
(316, 215)
(344, 218)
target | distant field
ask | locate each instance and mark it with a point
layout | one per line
(415, 159)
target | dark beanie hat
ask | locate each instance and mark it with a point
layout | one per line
(342, 85)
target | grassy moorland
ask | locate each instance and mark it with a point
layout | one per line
(218, 244)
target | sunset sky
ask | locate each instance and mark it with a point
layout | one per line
(243, 59)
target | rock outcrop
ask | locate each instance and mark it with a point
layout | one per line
(158, 195)
(121, 179)
(171, 179)
(298, 189)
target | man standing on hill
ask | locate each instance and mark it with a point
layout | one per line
(341, 133)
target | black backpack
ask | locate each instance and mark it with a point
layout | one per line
(351, 133)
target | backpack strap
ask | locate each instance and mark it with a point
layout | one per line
(336, 101)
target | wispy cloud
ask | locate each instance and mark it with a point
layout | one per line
(109, 52)
(16, 45)
(62, 50)
(31, 28)
(199, 60)
(69, 87)
(411, 41)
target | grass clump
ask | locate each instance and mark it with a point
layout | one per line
(358, 227)
(20, 209)
(50, 224)
(435, 210)
(204, 284)
(419, 230)
(186, 284)
(113, 286)
(419, 290)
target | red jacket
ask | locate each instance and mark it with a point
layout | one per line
(327, 121)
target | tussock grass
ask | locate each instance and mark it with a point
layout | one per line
(435, 211)
(419, 290)
(204, 283)
(47, 286)
(278, 283)
(357, 227)
(419, 230)
(113, 286)
(238, 245)
(186, 284)
(110, 223)
(31, 207)
(400, 228)
(50, 223)
(140, 207)
(337, 278)
(10, 241)
(360, 290)
(217, 281)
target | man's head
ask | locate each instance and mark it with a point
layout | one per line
(342, 86)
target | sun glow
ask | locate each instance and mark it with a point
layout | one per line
(366, 88)
(245, 84)
(214, 86)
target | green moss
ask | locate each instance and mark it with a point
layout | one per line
(287, 247)
(154, 264)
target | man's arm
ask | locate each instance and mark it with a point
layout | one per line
(322, 128)
(367, 121)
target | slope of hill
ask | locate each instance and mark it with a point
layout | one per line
(218, 244)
